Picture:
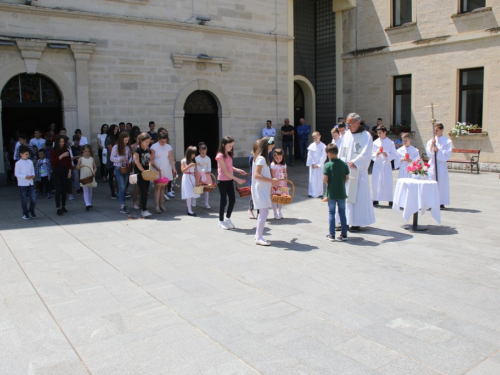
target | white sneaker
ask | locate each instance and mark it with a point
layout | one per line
(166, 197)
(262, 242)
(146, 213)
(135, 206)
(193, 203)
(207, 206)
(229, 223)
(223, 225)
(70, 197)
(277, 217)
(170, 194)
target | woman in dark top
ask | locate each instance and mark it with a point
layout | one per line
(142, 160)
(60, 160)
(109, 143)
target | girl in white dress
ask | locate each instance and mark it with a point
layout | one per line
(189, 178)
(86, 166)
(204, 167)
(261, 186)
(278, 170)
(162, 155)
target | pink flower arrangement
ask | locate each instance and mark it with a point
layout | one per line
(418, 167)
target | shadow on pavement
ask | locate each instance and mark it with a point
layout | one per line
(464, 210)
(293, 245)
(390, 235)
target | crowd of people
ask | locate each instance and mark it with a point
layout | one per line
(131, 159)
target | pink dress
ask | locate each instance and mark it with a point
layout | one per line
(278, 171)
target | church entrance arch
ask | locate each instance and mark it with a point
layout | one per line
(29, 102)
(305, 106)
(201, 121)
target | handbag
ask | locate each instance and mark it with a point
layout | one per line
(124, 170)
(132, 179)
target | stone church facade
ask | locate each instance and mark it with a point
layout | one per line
(141, 60)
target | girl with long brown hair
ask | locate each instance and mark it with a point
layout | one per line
(121, 157)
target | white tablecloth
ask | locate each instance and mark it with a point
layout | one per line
(417, 195)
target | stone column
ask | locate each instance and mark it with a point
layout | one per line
(82, 54)
(178, 144)
(31, 52)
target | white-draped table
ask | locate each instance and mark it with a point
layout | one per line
(415, 196)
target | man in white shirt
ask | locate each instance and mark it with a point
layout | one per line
(83, 140)
(269, 131)
(38, 141)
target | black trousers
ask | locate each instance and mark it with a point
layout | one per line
(111, 174)
(143, 188)
(61, 183)
(103, 165)
(226, 189)
(43, 185)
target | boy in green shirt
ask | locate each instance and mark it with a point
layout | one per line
(336, 175)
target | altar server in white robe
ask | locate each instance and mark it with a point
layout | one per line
(383, 153)
(443, 147)
(316, 158)
(407, 154)
(357, 146)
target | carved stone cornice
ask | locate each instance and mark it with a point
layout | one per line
(31, 52)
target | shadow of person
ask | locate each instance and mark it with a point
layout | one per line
(289, 221)
(464, 210)
(249, 232)
(360, 241)
(442, 230)
(390, 236)
(292, 245)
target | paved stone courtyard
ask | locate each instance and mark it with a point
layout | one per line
(93, 292)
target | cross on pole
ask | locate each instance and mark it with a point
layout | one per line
(433, 122)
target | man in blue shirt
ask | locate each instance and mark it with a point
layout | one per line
(303, 131)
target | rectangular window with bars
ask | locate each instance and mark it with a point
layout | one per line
(402, 100)
(471, 96)
(402, 12)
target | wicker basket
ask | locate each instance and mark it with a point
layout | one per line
(89, 179)
(198, 189)
(244, 191)
(283, 199)
(150, 175)
(210, 187)
(162, 181)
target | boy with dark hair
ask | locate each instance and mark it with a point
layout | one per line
(23, 141)
(25, 174)
(83, 140)
(335, 175)
(43, 170)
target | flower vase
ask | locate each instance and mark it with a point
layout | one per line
(416, 176)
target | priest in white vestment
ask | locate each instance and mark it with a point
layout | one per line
(357, 146)
(383, 153)
(316, 157)
(407, 154)
(443, 147)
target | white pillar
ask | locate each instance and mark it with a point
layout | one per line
(82, 54)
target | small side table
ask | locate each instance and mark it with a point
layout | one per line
(416, 196)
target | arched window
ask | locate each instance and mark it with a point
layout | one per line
(30, 90)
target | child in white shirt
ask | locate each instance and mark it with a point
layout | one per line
(25, 174)
(406, 155)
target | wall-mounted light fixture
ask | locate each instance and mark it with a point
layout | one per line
(204, 56)
(6, 43)
(203, 19)
(58, 46)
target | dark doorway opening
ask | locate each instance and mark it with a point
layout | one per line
(299, 113)
(29, 102)
(201, 122)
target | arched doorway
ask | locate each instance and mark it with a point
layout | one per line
(201, 121)
(29, 102)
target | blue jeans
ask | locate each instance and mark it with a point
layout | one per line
(27, 192)
(332, 204)
(76, 177)
(122, 184)
(303, 145)
(288, 146)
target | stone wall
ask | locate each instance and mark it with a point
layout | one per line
(432, 50)
(132, 76)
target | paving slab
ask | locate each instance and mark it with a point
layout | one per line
(99, 292)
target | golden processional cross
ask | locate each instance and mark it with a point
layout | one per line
(433, 122)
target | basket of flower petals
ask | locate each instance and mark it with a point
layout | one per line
(281, 194)
(162, 181)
